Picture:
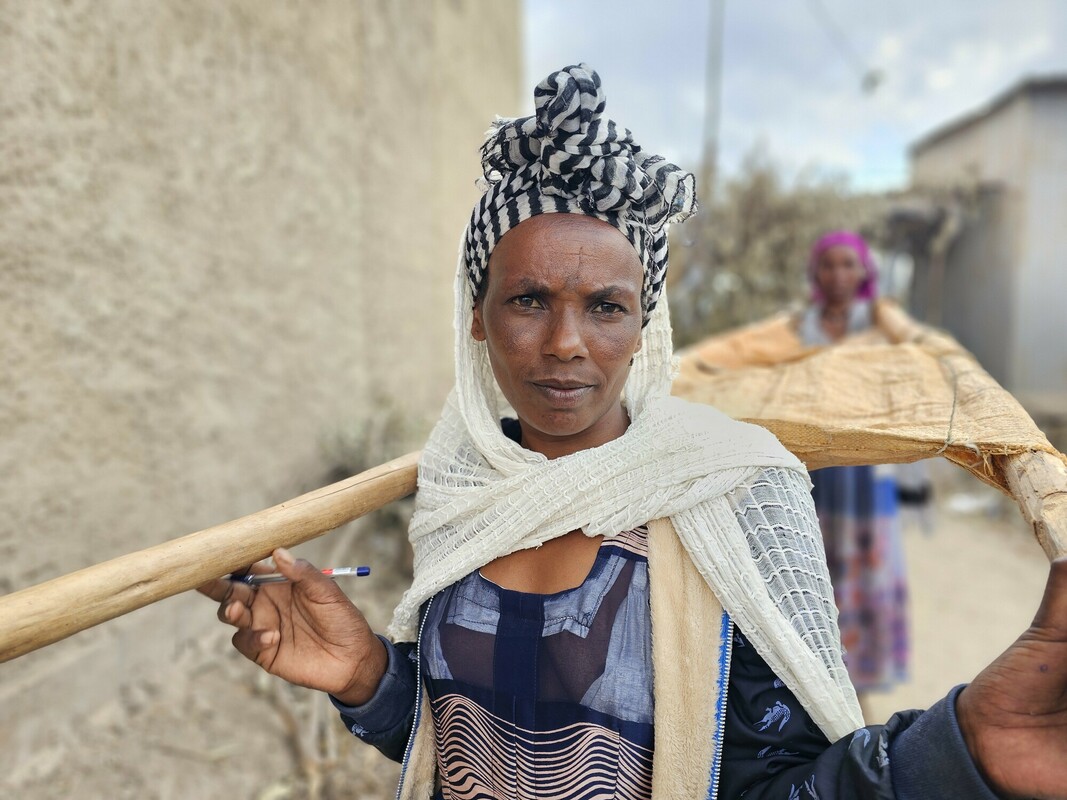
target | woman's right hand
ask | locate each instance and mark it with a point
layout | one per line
(305, 631)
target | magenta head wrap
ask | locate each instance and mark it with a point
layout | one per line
(869, 288)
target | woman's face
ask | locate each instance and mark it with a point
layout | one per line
(839, 274)
(561, 316)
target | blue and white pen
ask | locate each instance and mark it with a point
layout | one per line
(277, 577)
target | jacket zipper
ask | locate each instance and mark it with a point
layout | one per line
(724, 682)
(418, 701)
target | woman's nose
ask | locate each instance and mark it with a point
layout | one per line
(566, 340)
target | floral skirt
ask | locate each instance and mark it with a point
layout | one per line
(860, 520)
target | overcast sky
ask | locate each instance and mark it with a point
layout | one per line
(792, 70)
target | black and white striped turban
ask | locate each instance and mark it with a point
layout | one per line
(569, 158)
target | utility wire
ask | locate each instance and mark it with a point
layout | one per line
(870, 78)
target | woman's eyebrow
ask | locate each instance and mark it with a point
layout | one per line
(527, 286)
(611, 291)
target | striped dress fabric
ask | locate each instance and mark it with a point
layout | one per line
(545, 696)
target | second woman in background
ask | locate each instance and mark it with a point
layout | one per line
(857, 506)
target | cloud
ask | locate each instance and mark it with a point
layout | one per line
(790, 81)
(652, 64)
(889, 49)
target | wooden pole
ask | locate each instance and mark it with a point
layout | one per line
(50, 611)
(1038, 483)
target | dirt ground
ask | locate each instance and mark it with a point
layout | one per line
(216, 728)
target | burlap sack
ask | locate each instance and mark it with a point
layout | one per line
(899, 393)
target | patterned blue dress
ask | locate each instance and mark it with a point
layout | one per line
(545, 695)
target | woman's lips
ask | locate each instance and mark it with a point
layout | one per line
(562, 395)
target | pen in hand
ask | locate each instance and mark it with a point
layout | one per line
(276, 577)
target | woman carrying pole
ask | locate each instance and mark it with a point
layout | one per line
(617, 593)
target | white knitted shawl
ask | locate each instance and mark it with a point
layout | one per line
(481, 496)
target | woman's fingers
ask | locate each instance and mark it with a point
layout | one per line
(297, 569)
(235, 613)
(220, 588)
(251, 643)
(235, 599)
(1052, 615)
(215, 589)
(237, 591)
(306, 578)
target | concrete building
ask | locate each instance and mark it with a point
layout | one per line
(228, 234)
(1001, 288)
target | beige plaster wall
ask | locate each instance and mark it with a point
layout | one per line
(990, 150)
(227, 231)
(1005, 272)
(1041, 349)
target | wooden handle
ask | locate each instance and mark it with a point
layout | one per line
(50, 611)
(1038, 483)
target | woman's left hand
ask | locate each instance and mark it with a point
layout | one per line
(1014, 714)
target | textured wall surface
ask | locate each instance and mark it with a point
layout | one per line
(1005, 276)
(990, 149)
(981, 278)
(1041, 346)
(227, 233)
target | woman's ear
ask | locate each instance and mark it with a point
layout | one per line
(477, 328)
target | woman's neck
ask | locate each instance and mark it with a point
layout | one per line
(836, 309)
(834, 318)
(609, 427)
